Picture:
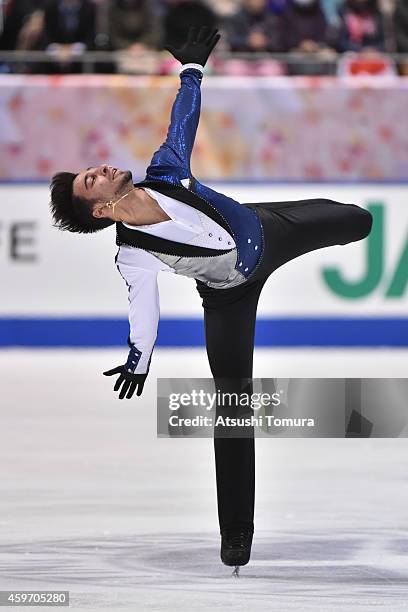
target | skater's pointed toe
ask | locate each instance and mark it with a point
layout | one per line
(236, 545)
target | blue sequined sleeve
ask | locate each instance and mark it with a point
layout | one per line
(172, 160)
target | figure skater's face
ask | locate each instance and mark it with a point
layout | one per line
(102, 183)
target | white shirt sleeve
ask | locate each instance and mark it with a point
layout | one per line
(144, 306)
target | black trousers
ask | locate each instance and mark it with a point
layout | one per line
(290, 230)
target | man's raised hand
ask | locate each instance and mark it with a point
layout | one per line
(197, 49)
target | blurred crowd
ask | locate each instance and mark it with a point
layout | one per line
(355, 36)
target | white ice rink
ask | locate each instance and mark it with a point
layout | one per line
(92, 502)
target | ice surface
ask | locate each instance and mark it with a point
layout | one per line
(92, 502)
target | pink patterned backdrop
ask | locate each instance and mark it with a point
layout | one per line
(263, 128)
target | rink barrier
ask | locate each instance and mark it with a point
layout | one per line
(189, 332)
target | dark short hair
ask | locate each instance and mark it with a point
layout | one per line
(70, 212)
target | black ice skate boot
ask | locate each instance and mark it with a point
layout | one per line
(236, 542)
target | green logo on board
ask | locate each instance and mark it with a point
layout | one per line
(374, 268)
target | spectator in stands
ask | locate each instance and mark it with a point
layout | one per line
(253, 28)
(69, 30)
(304, 26)
(69, 22)
(361, 27)
(133, 22)
(305, 29)
(330, 8)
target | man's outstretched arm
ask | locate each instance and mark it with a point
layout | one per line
(144, 314)
(176, 151)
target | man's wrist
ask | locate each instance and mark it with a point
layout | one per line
(191, 65)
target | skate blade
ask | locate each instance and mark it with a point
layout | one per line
(235, 573)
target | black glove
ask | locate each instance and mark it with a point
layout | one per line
(127, 377)
(130, 381)
(200, 43)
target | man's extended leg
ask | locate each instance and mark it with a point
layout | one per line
(294, 228)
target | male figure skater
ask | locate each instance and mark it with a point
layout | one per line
(170, 221)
